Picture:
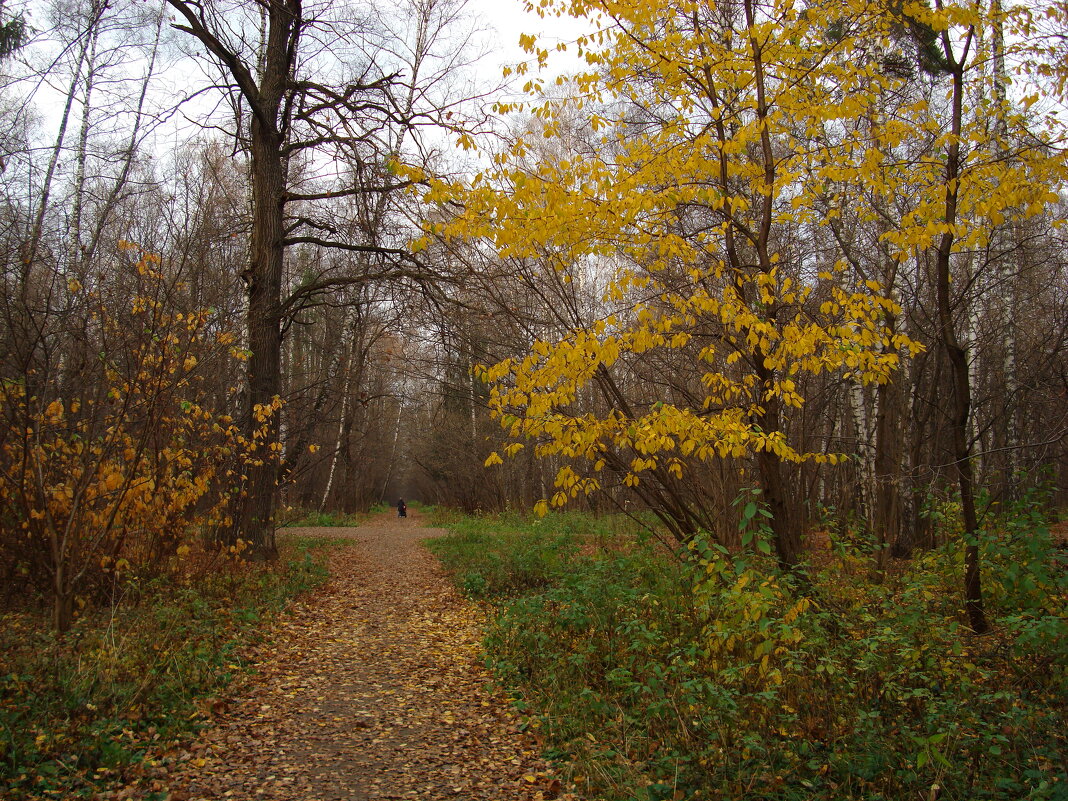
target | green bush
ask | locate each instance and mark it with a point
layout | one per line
(506, 555)
(704, 678)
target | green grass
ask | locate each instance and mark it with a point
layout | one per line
(310, 518)
(83, 710)
(719, 678)
(509, 554)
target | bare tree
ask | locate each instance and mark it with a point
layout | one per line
(319, 100)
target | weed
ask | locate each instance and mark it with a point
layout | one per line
(310, 518)
(504, 555)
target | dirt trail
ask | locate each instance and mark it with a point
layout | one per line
(372, 689)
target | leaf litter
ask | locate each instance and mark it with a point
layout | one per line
(372, 688)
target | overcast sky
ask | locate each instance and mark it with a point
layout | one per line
(509, 19)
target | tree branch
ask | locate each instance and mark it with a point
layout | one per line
(198, 29)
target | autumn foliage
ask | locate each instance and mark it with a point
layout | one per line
(704, 176)
(113, 463)
(660, 678)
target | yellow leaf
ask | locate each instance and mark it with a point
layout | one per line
(54, 412)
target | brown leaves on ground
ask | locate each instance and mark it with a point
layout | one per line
(372, 689)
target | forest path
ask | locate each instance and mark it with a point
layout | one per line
(370, 688)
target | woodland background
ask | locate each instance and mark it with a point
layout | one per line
(167, 296)
(757, 271)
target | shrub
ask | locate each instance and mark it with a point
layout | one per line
(114, 464)
(715, 675)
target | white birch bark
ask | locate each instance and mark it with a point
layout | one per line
(81, 155)
(865, 454)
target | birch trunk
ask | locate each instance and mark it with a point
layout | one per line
(858, 411)
(34, 240)
(129, 151)
(81, 155)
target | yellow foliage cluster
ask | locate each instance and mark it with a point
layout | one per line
(121, 477)
(750, 124)
(753, 621)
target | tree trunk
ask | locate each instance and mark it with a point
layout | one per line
(887, 501)
(1004, 275)
(958, 358)
(81, 156)
(263, 280)
(264, 286)
(62, 608)
(130, 151)
(34, 239)
(342, 424)
(864, 490)
(787, 537)
(958, 361)
(62, 594)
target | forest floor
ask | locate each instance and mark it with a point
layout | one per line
(370, 688)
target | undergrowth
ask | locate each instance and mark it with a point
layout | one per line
(294, 517)
(312, 518)
(82, 710)
(716, 676)
(510, 554)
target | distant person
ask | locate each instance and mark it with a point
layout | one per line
(402, 508)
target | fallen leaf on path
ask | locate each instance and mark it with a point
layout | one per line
(370, 689)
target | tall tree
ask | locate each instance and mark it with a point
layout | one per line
(287, 66)
(12, 32)
(689, 204)
(980, 177)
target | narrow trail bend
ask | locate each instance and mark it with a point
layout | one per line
(372, 689)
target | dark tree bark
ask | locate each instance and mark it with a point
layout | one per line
(786, 535)
(958, 356)
(887, 501)
(266, 98)
(288, 115)
(784, 529)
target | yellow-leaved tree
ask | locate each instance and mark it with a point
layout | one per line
(943, 167)
(113, 464)
(688, 205)
(988, 161)
(722, 135)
